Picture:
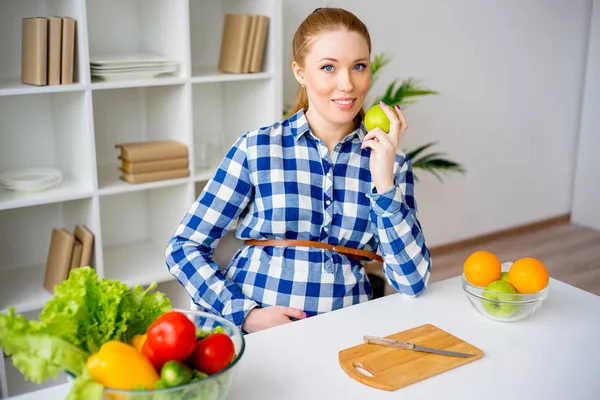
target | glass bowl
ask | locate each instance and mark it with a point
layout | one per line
(503, 307)
(213, 387)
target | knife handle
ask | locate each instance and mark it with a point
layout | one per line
(388, 342)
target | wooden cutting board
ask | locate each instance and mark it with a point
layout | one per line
(394, 368)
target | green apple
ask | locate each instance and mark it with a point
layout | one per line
(500, 290)
(504, 277)
(375, 118)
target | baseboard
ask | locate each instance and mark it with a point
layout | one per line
(514, 231)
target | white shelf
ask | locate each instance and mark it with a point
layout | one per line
(213, 75)
(75, 128)
(158, 81)
(68, 189)
(24, 290)
(202, 175)
(137, 263)
(13, 86)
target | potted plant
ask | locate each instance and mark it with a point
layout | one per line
(403, 93)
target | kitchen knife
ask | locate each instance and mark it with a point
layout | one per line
(411, 346)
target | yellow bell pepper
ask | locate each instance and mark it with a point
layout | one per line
(118, 365)
(138, 341)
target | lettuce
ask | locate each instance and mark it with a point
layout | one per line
(85, 388)
(84, 313)
(36, 351)
(89, 312)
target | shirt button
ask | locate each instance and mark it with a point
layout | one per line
(337, 147)
(325, 229)
(328, 202)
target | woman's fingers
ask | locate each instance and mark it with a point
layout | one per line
(392, 117)
(294, 313)
(375, 135)
(403, 124)
(373, 145)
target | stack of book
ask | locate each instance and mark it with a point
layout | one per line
(67, 251)
(153, 161)
(243, 43)
(47, 51)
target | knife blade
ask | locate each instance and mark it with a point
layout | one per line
(411, 346)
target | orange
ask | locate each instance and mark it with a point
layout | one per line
(528, 275)
(482, 268)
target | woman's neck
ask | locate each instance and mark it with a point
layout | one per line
(331, 134)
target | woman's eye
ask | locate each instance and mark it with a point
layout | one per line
(359, 67)
(327, 68)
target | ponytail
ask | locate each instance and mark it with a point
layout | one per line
(300, 103)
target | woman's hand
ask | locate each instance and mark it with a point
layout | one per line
(384, 148)
(268, 317)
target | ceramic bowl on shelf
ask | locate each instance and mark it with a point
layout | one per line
(503, 307)
(213, 387)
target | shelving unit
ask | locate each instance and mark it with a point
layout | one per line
(75, 128)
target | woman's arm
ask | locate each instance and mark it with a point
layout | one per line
(189, 252)
(407, 261)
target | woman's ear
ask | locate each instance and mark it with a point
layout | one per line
(298, 72)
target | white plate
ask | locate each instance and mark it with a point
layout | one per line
(32, 177)
(127, 59)
(129, 76)
(32, 188)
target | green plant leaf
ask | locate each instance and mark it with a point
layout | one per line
(414, 153)
(379, 61)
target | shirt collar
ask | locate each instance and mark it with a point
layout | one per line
(297, 125)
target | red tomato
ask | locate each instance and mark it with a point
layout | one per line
(152, 356)
(172, 336)
(213, 353)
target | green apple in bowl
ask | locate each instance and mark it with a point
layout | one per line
(498, 292)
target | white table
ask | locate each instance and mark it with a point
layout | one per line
(554, 354)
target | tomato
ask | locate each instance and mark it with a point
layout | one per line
(152, 356)
(172, 336)
(213, 353)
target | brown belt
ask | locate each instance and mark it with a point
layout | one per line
(349, 251)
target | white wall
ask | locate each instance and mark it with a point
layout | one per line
(510, 76)
(586, 192)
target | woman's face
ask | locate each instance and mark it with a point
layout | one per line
(337, 76)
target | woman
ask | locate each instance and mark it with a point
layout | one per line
(318, 181)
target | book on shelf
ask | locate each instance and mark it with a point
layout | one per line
(67, 251)
(55, 37)
(243, 43)
(86, 238)
(250, 43)
(58, 262)
(260, 43)
(47, 50)
(152, 150)
(155, 176)
(152, 166)
(68, 51)
(76, 256)
(34, 51)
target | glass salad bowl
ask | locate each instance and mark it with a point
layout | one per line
(212, 387)
(503, 307)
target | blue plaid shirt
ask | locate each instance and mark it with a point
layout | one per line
(281, 182)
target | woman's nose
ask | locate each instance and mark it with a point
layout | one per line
(345, 83)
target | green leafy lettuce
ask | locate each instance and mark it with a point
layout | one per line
(84, 313)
